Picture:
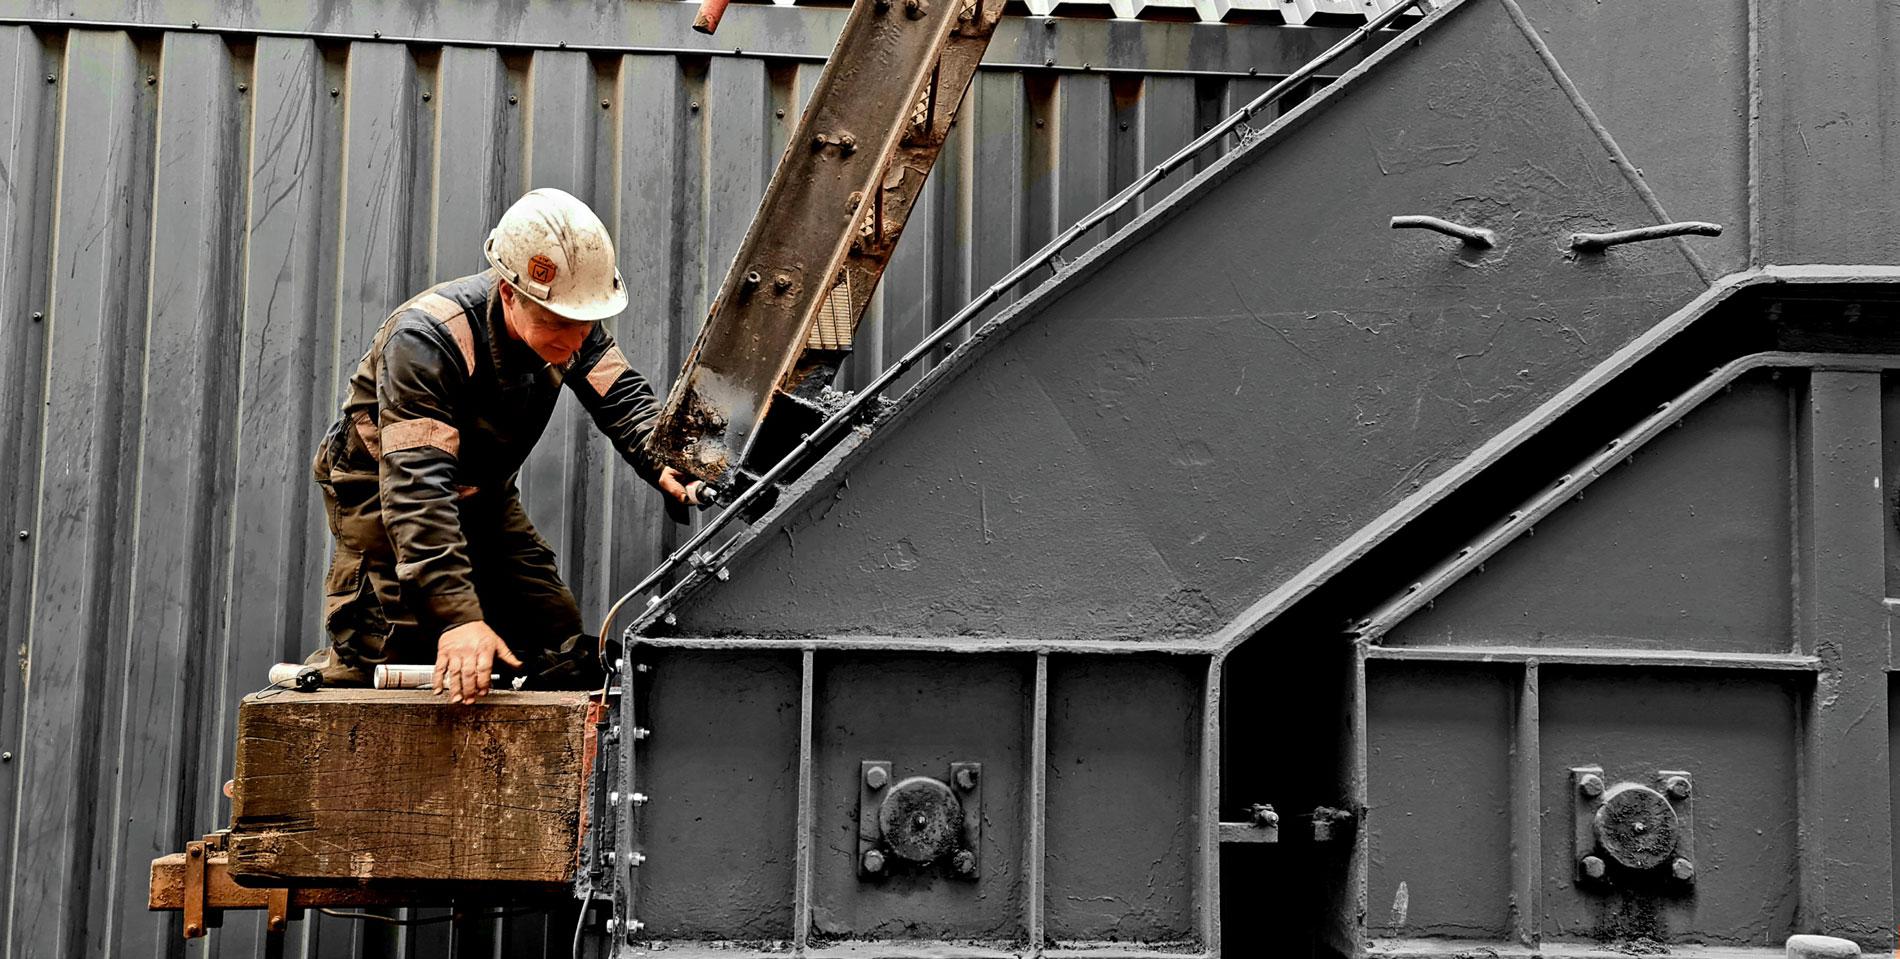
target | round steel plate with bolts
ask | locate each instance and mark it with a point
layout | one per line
(1637, 826)
(921, 819)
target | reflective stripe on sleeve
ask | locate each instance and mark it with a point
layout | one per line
(409, 434)
(605, 372)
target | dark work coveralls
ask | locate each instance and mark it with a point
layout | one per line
(418, 477)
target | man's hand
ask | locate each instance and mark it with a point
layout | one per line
(686, 493)
(464, 659)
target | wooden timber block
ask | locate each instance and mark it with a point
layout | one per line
(360, 785)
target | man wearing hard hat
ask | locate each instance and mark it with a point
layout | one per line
(435, 558)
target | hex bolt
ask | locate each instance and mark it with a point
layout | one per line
(151, 79)
(1592, 867)
(723, 574)
(639, 799)
(641, 732)
(965, 863)
(6, 757)
(847, 144)
(427, 96)
(1591, 785)
(608, 857)
(613, 925)
(1678, 786)
(915, 9)
(606, 104)
(966, 779)
(24, 534)
(334, 93)
(613, 798)
(1682, 869)
(38, 316)
(637, 858)
(873, 861)
(751, 281)
(876, 776)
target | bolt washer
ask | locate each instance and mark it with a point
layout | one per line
(1637, 826)
(921, 819)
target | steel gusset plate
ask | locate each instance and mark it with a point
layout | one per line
(833, 211)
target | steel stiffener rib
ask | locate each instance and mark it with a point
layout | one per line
(831, 215)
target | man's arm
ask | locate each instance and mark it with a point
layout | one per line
(624, 407)
(420, 374)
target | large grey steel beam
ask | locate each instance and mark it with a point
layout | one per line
(1846, 831)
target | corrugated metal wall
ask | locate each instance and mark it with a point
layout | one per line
(200, 229)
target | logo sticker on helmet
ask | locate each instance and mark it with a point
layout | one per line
(541, 269)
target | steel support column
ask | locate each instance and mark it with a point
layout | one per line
(1846, 843)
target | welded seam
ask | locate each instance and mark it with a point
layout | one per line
(1039, 809)
(801, 880)
(1754, 133)
(1596, 126)
(1209, 852)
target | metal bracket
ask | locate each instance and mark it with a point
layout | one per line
(947, 828)
(1262, 825)
(1632, 828)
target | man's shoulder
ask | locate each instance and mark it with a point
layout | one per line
(450, 299)
(444, 311)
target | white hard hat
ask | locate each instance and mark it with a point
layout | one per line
(553, 250)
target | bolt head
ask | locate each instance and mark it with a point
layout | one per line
(6, 757)
(1592, 867)
(966, 779)
(1682, 869)
(1678, 786)
(1591, 785)
(873, 861)
(965, 863)
(876, 777)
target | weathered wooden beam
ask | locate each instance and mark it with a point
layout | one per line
(349, 786)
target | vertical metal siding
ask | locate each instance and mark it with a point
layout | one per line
(210, 226)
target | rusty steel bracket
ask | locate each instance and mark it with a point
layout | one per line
(1631, 829)
(919, 822)
(786, 314)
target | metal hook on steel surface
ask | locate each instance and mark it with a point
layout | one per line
(1595, 242)
(1471, 235)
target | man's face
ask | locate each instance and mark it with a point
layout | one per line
(551, 337)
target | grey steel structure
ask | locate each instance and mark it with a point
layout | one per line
(1469, 559)
(206, 207)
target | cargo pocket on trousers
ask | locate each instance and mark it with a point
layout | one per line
(343, 586)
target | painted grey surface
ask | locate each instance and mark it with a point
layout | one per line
(1153, 442)
(1723, 589)
(209, 234)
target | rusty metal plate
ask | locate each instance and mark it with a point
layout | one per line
(1636, 826)
(921, 819)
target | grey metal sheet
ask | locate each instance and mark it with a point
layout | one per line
(767, 30)
(27, 113)
(78, 597)
(174, 555)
